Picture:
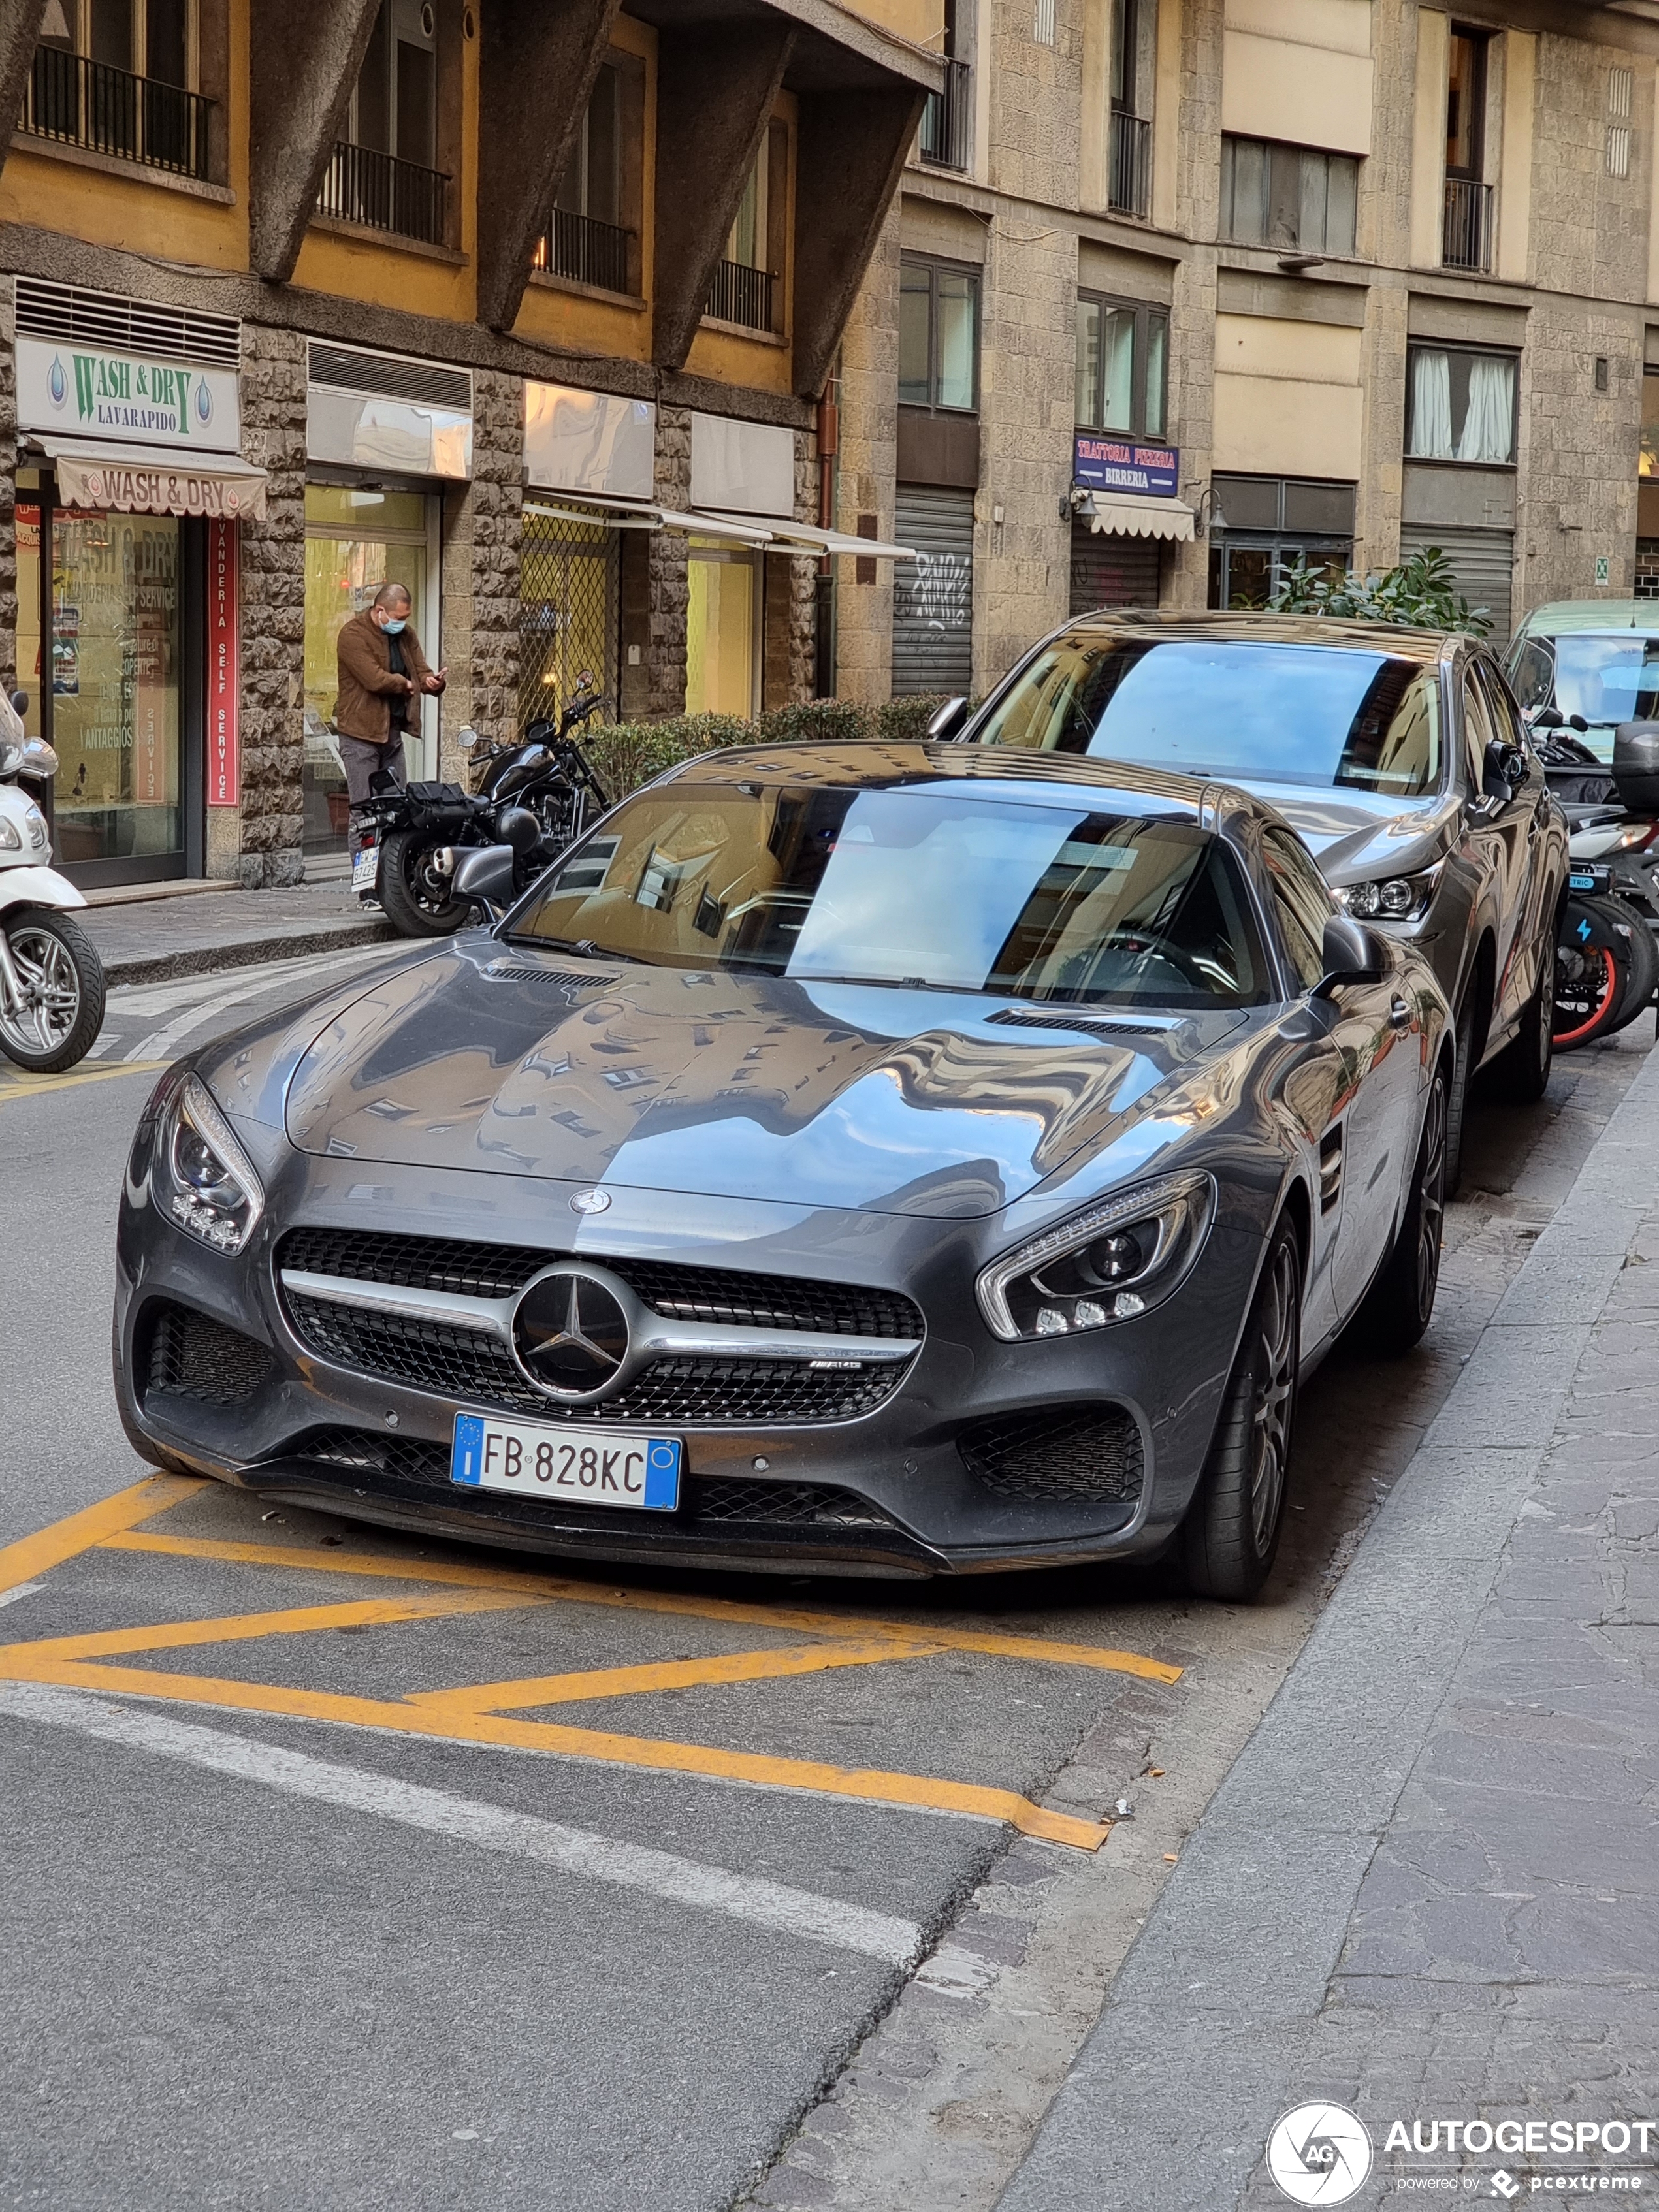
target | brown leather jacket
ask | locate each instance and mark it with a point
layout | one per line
(368, 687)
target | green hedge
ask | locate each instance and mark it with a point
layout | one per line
(627, 754)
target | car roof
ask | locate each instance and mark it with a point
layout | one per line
(1247, 627)
(1611, 617)
(879, 763)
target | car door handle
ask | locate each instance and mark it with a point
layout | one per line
(1399, 1015)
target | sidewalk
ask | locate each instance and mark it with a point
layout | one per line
(1427, 1889)
(152, 941)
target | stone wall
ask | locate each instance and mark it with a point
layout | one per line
(668, 590)
(864, 473)
(273, 622)
(482, 521)
(8, 493)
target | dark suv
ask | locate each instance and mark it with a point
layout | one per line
(1398, 754)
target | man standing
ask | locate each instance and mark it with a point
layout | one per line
(381, 675)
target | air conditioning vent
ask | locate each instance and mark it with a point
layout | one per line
(386, 376)
(73, 317)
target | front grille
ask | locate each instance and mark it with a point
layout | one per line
(726, 1500)
(1079, 1454)
(191, 1356)
(683, 1294)
(463, 1364)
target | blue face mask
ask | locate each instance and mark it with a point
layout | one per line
(392, 627)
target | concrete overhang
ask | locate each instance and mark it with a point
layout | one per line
(834, 49)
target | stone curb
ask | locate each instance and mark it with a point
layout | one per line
(250, 952)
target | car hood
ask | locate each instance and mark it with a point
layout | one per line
(491, 1059)
(1356, 836)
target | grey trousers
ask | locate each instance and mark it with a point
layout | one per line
(360, 760)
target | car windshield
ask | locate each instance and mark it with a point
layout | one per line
(1607, 680)
(921, 887)
(1309, 714)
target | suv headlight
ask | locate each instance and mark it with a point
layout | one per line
(1391, 898)
(1117, 1260)
(213, 1189)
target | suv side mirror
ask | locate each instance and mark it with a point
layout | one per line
(483, 876)
(1352, 954)
(1505, 769)
(948, 721)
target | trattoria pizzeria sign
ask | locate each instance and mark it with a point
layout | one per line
(78, 390)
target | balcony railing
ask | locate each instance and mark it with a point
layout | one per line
(1466, 237)
(943, 138)
(1129, 164)
(741, 294)
(377, 189)
(585, 249)
(110, 111)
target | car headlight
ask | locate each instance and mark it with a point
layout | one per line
(1119, 1259)
(215, 1191)
(1391, 898)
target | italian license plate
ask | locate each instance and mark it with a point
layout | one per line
(582, 1465)
(365, 868)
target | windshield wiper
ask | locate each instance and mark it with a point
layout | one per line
(584, 945)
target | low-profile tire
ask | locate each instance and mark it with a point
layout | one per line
(1229, 1537)
(1521, 1071)
(1400, 1303)
(58, 966)
(409, 891)
(1457, 1094)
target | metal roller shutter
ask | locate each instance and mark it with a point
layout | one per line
(1111, 570)
(933, 595)
(1482, 560)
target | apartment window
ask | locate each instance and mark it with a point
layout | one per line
(119, 77)
(593, 232)
(744, 290)
(1129, 152)
(1468, 226)
(384, 173)
(946, 115)
(938, 336)
(1461, 406)
(1293, 197)
(1123, 356)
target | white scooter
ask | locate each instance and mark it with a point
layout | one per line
(52, 981)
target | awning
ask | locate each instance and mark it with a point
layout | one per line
(739, 530)
(153, 480)
(607, 513)
(1123, 514)
(810, 539)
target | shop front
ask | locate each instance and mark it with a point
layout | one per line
(384, 436)
(1125, 509)
(130, 491)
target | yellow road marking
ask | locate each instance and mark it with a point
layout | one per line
(847, 1627)
(247, 1627)
(29, 1086)
(666, 1674)
(34, 1556)
(870, 1785)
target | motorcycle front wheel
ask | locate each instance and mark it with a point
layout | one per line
(417, 901)
(1592, 968)
(56, 1018)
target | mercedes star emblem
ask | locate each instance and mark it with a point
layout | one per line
(590, 1201)
(570, 1332)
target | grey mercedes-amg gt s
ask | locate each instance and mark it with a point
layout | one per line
(871, 1159)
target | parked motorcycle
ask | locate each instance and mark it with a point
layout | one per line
(52, 981)
(537, 796)
(1606, 950)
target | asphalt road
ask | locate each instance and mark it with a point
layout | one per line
(423, 1876)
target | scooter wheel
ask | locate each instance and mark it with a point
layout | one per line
(62, 983)
(1592, 968)
(416, 899)
(1634, 925)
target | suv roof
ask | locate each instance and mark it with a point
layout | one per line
(1248, 627)
(1564, 616)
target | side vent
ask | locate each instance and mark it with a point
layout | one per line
(1330, 1167)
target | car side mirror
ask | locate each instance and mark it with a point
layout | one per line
(483, 876)
(947, 721)
(1352, 953)
(1505, 769)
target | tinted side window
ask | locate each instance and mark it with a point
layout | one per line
(1302, 903)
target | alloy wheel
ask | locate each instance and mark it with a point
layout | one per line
(1274, 1393)
(1431, 1196)
(52, 991)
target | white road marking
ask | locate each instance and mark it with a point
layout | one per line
(522, 1835)
(249, 983)
(22, 1589)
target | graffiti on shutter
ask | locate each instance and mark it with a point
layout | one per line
(933, 595)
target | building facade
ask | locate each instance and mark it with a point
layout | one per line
(1178, 291)
(525, 304)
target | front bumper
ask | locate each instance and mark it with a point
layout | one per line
(910, 1488)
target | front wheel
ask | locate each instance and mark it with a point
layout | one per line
(1520, 1072)
(418, 900)
(1400, 1303)
(57, 1010)
(1230, 1534)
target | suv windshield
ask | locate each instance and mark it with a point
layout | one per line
(1606, 679)
(1310, 715)
(917, 887)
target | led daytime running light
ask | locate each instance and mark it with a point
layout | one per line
(1195, 1191)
